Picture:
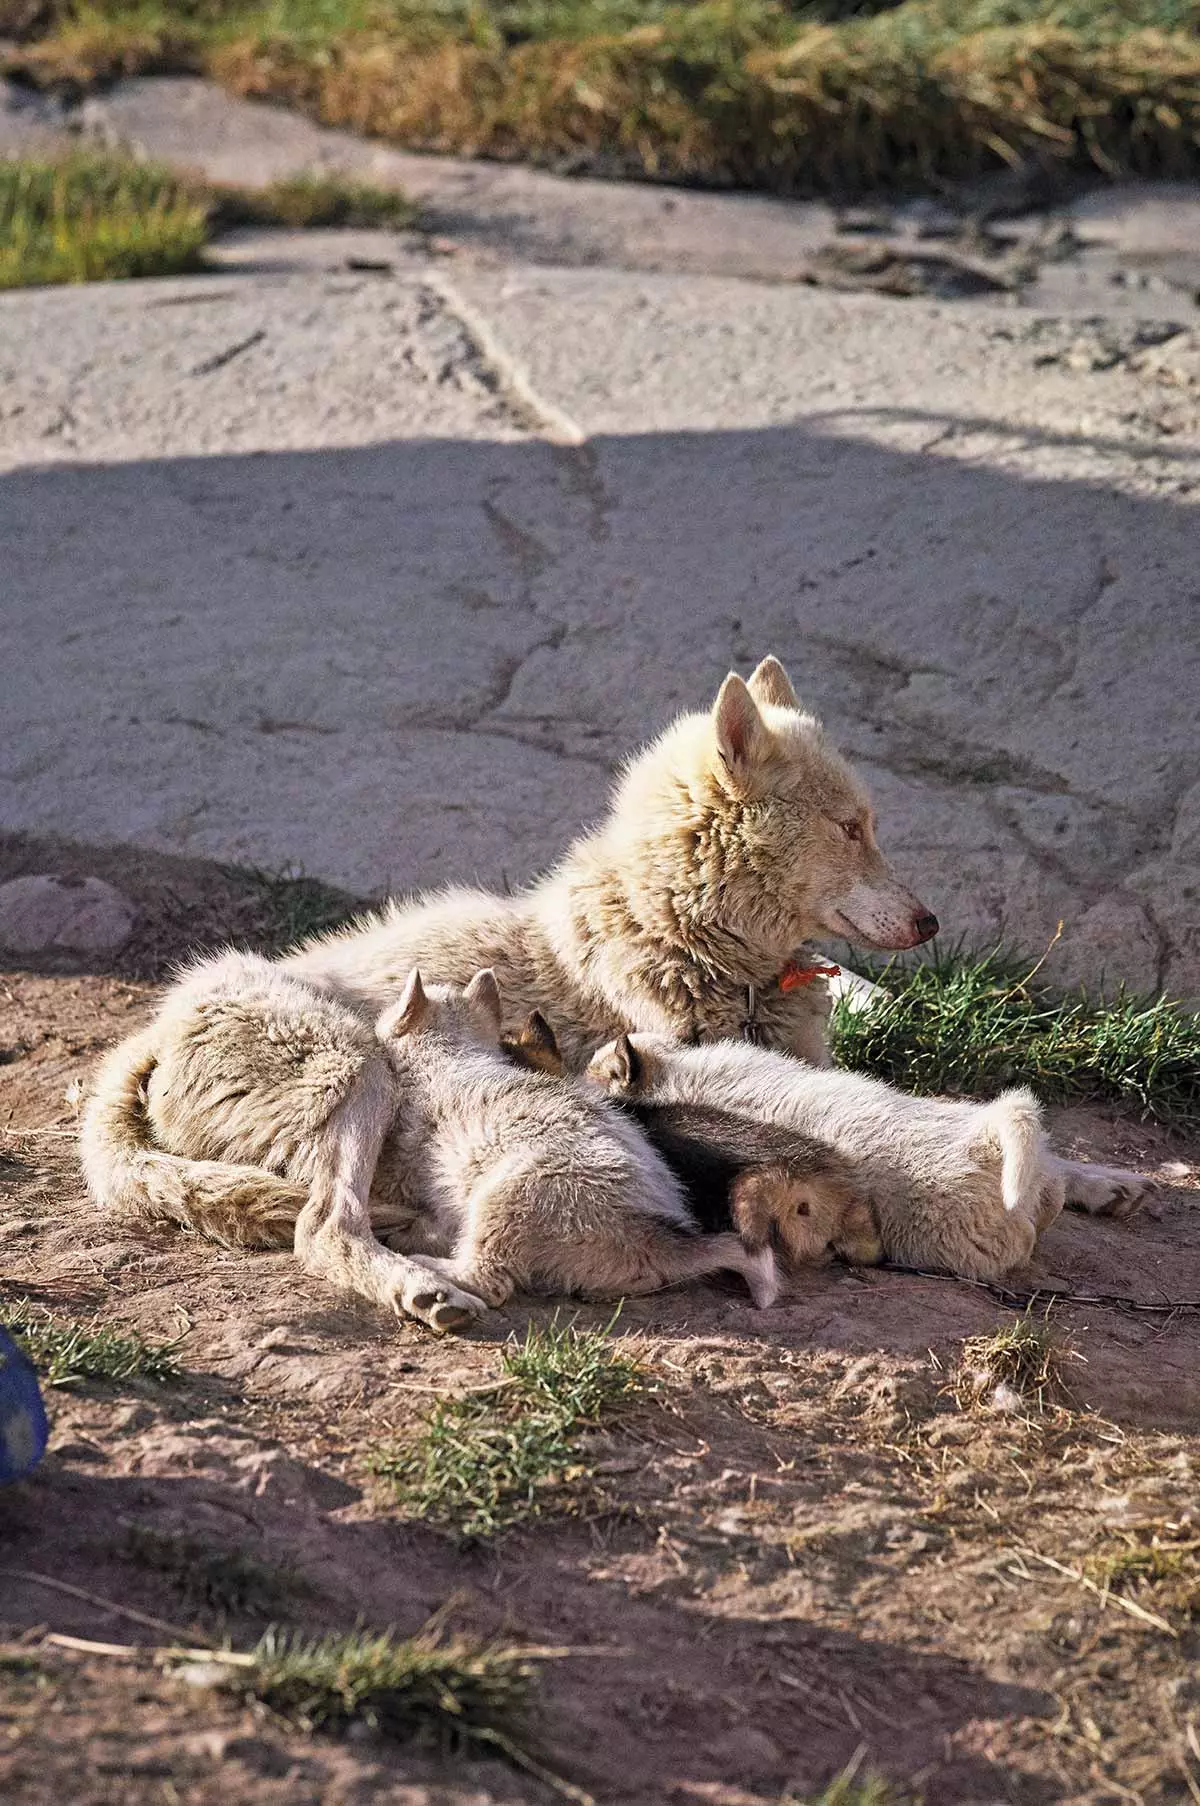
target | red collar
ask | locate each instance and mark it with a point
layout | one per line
(793, 976)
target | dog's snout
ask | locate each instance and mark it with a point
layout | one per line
(926, 926)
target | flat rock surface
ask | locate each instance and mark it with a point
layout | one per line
(378, 572)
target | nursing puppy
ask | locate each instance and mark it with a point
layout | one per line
(733, 839)
(511, 1177)
(960, 1186)
(774, 1186)
(483, 1176)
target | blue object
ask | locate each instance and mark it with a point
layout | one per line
(23, 1428)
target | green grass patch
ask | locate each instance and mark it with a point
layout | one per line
(94, 217)
(66, 1353)
(221, 1579)
(789, 95)
(291, 909)
(853, 1788)
(1170, 1569)
(88, 219)
(497, 1457)
(447, 1691)
(961, 1022)
(310, 201)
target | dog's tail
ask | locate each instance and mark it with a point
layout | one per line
(1012, 1130)
(240, 1206)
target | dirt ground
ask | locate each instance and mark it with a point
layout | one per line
(796, 1547)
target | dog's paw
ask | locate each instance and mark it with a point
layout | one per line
(1107, 1191)
(442, 1306)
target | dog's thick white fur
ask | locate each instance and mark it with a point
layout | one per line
(961, 1186)
(733, 839)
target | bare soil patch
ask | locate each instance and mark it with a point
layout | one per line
(795, 1545)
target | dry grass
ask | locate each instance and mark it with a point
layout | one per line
(1165, 1573)
(728, 91)
(1020, 1368)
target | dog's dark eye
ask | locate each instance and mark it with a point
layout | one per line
(851, 829)
(803, 1208)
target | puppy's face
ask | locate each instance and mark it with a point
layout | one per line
(807, 1220)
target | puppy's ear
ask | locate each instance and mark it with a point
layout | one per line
(770, 684)
(538, 1035)
(408, 1015)
(619, 1067)
(743, 739)
(483, 993)
(751, 1205)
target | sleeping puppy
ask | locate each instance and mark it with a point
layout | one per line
(777, 1187)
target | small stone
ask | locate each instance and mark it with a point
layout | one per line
(41, 913)
(746, 1749)
(203, 1674)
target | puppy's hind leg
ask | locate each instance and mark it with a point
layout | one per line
(334, 1239)
(661, 1257)
(1101, 1191)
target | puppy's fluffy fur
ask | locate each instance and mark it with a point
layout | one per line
(483, 1176)
(774, 1186)
(965, 1187)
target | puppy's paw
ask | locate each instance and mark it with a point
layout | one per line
(1107, 1191)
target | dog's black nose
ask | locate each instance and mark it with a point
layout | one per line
(926, 927)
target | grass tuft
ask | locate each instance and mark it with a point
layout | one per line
(961, 1022)
(1023, 1364)
(1170, 1570)
(89, 219)
(292, 908)
(490, 1460)
(222, 1579)
(95, 216)
(65, 1353)
(448, 1691)
(310, 201)
(852, 1788)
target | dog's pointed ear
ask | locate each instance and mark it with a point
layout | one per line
(483, 993)
(406, 1016)
(770, 685)
(539, 1035)
(619, 1067)
(742, 736)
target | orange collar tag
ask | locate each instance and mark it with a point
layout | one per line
(793, 976)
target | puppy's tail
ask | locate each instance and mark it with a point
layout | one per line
(1012, 1129)
(240, 1206)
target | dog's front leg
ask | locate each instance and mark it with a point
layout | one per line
(334, 1238)
(1102, 1191)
